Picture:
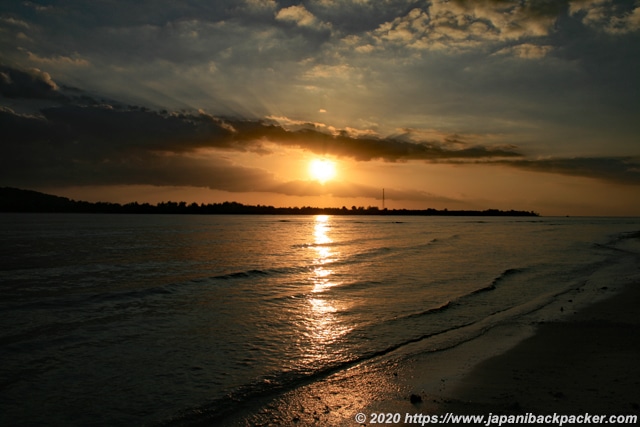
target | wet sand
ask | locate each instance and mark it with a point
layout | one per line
(588, 362)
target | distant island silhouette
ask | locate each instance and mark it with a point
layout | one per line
(18, 200)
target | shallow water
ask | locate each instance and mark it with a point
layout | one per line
(118, 319)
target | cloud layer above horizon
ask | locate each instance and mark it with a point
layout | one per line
(163, 92)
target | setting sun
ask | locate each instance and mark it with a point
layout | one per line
(322, 170)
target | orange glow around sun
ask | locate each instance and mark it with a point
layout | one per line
(322, 170)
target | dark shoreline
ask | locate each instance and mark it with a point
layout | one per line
(27, 201)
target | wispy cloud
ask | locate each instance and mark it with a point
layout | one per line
(526, 51)
(74, 61)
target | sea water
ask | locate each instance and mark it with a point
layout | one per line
(138, 319)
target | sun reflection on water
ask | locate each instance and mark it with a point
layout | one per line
(323, 324)
(322, 273)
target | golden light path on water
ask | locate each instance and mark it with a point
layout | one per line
(323, 325)
(336, 399)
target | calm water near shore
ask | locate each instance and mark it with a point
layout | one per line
(138, 319)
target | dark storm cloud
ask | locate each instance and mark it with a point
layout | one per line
(618, 170)
(92, 143)
(99, 145)
(74, 145)
(117, 129)
(32, 83)
(111, 147)
(368, 148)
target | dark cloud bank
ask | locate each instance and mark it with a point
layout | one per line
(82, 141)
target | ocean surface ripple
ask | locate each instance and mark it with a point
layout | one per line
(138, 319)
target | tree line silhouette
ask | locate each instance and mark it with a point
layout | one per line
(17, 200)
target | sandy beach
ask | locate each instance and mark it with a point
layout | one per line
(577, 355)
(587, 362)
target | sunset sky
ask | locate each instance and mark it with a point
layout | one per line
(458, 104)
